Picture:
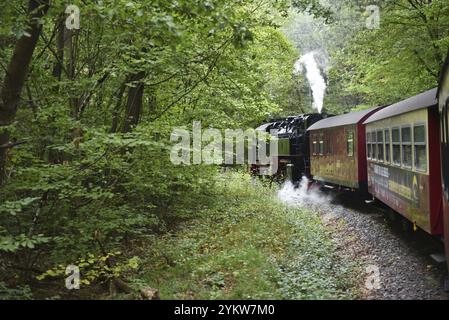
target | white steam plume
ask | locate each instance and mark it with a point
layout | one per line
(316, 81)
(303, 196)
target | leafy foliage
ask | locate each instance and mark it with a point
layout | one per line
(366, 66)
(401, 59)
(95, 268)
(88, 170)
(84, 155)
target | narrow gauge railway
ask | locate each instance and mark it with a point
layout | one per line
(397, 154)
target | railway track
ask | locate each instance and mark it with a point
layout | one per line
(374, 236)
(378, 237)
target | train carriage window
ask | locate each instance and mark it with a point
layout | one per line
(406, 137)
(314, 147)
(350, 143)
(321, 145)
(368, 145)
(325, 147)
(396, 141)
(419, 141)
(387, 145)
(380, 146)
(373, 145)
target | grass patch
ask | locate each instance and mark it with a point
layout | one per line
(247, 246)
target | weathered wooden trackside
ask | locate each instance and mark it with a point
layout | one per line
(403, 152)
(337, 150)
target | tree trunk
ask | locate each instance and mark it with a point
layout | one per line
(118, 105)
(16, 74)
(134, 103)
(57, 68)
(71, 38)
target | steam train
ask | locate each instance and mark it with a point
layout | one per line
(399, 154)
(293, 145)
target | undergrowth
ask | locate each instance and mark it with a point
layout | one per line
(248, 246)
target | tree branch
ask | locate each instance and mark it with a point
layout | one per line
(13, 144)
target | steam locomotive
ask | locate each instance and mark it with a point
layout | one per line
(293, 145)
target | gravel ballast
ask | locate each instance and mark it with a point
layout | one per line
(366, 233)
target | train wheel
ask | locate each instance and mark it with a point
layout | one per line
(392, 216)
(407, 226)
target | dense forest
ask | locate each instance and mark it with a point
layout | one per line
(86, 116)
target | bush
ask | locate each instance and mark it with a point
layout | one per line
(112, 190)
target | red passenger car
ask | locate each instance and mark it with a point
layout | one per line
(337, 150)
(403, 151)
(443, 99)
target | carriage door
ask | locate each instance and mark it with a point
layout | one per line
(445, 145)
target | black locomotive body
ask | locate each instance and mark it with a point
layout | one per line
(293, 145)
